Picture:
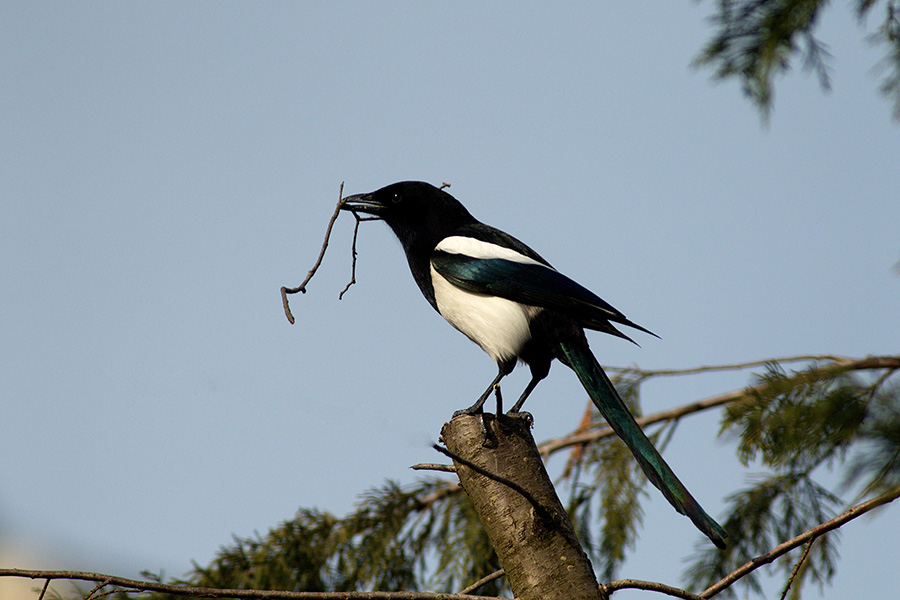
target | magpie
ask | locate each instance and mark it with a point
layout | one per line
(510, 301)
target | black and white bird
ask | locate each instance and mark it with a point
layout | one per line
(511, 302)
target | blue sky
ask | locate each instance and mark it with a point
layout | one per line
(166, 167)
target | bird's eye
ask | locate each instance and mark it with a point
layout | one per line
(395, 198)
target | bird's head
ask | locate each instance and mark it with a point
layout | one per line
(413, 209)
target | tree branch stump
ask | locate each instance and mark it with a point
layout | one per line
(530, 531)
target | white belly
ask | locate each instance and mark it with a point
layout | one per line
(498, 325)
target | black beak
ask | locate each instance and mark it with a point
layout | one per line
(362, 203)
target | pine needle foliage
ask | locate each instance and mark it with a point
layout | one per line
(397, 539)
(756, 40)
(877, 463)
(773, 509)
(798, 421)
(799, 425)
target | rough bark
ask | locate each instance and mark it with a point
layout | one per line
(529, 528)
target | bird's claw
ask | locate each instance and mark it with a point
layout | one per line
(466, 412)
(488, 439)
(521, 414)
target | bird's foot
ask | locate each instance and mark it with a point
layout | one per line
(521, 414)
(471, 411)
(488, 438)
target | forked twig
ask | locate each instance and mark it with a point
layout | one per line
(353, 253)
(302, 287)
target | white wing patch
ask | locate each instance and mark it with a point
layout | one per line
(499, 326)
(457, 244)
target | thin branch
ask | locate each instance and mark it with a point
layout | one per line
(540, 508)
(809, 535)
(549, 447)
(97, 588)
(650, 586)
(116, 590)
(486, 579)
(44, 589)
(840, 363)
(207, 592)
(450, 488)
(796, 569)
(880, 381)
(837, 359)
(302, 287)
(353, 253)
(807, 538)
(434, 467)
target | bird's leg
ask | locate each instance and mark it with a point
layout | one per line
(505, 368)
(476, 408)
(528, 389)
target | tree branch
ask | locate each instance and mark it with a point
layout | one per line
(796, 569)
(650, 586)
(734, 366)
(44, 589)
(807, 536)
(839, 363)
(551, 446)
(434, 467)
(486, 579)
(206, 592)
